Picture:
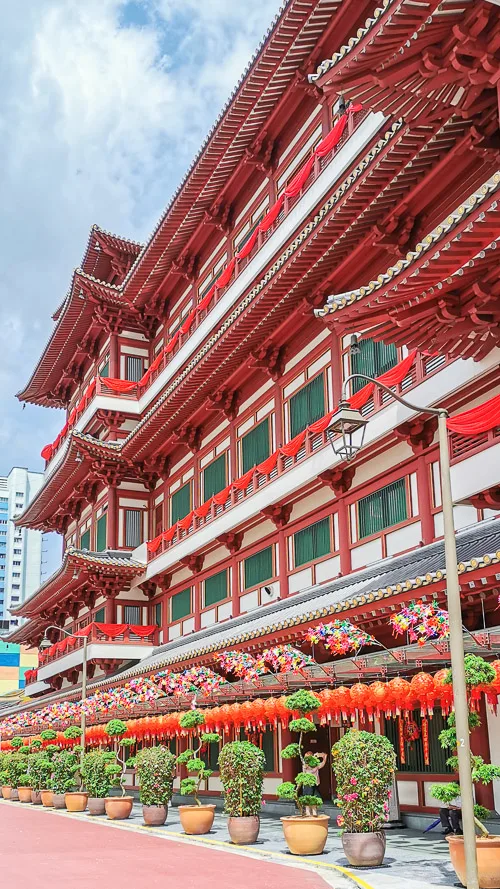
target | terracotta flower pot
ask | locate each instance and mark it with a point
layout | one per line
(76, 802)
(58, 801)
(364, 849)
(14, 794)
(154, 815)
(488, 860)
(24, 794)
(36, 797)
(196, 820)
(118, 807)
(305, 835)
(6, 791)
(47, 799)
(96, 805)
(243, 830)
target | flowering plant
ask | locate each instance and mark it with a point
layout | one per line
(155, 769)
(100, 771)
(241, 766)
(39, 770)
(364, 765)
(64, 769)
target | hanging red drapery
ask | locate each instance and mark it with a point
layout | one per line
(479, 419)
(141, 631)
(117, 385)
(390, 378)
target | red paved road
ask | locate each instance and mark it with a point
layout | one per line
(55, 852)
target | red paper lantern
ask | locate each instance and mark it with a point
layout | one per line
(259, 713)
(378, 694)
(328, 705)
(398, 695)
(282, 711)
(226, 716)
(361, 698)
(343, 695)
(247, 713)
(423, 686)
(272, 711)
(443, 691)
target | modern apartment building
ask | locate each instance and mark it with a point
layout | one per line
(20, 548)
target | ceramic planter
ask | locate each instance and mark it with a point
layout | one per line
(196, 820)
(14, 794)
(96, 805)
(488, 860)
(154, 815)
(76, 802)
(24, 794)
(305, 835)
(47, 798)
(58, 801)
(243, 830)
(118, 807)
(364, 849)
(36, 797)
(6, 791)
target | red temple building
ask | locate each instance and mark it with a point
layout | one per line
(341, 217)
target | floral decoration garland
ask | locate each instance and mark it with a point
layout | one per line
(339, 636)
(422, 621)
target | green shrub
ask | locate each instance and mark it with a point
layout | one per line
(100, 772)
(364, 766)
(190, 758)
(24, 780)
(155, 769)
(39, 771)
(17, 742)
(72, 732)
(191, 719)
(64, 769)
(115, 727)
(302, 702)
(48, 735)
(14, 766)
(241, 766)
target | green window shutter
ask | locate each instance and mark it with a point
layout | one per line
(85, 540)
(100, 545)
(104, 371)
(373, 359)
(386, 357)
(383, 508)
(181, 503)
(99, 616)
(307, 406)
(312, 542)
(268, 749)
(216, 588)
(180, 604)
(214, 477)
(255, 446)
(258, 567)
(158, 614)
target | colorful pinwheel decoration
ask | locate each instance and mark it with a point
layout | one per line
(339, 637)
(423, 621)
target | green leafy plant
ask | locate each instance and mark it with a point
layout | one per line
(73, 732)
(100, 772)
(116, 728)
(24, 780)
(14, 767)
(17, 742)
(36, 744)
(241, 766)
(302, 702)
(198, 772)
(64, 772)
(478, 672)
(48, 734)
(155, 769)
(364, 766)
(40, 771)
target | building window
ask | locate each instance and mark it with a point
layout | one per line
(15, 586)
(104, 371)
(101, 529)
(158, 519)
(85, 540)
(19, 505)
(17, 552)
(19, 494)
(158, 616)
(16, 574)
(99, 616)
(216, 588)
(255, 446)
(312, 543)
(383, 508)
(373, 359)
(307, 405)
(259, 567)
(132, 614)
(14, 599)
(133, 527)
(181, 503)
(134, 368)
(180, 605)
(16, 563)
(214, 477)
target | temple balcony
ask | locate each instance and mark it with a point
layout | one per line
(327, 171)
(430, 382)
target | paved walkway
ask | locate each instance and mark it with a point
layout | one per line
(62, 851)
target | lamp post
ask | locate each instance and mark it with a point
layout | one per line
(46, 643)
(347, 422)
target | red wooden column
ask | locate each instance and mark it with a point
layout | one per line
(480, 746)
(283, 564)
(337, 370)
(425, 500)
(344, 537)
(235, 588)
(114, 356)
(112, 520)
(197, 605)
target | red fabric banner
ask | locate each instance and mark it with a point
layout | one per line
(293, 447)
(142, 631)
(207, 299)
(186, 521)
(172, 343)
(242, 483)
(479, 419)
(272, 215)
(221, 496)
(117, 385)
(249, 245)
(153, 545)
(170, 534)
(189, 320)
(300, 179)
(267, 466)
(321, 424)
(46, 452)
(390, 378)
(225, 276)
(202, 511)
(111, 630)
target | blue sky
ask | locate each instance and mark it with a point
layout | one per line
(104, 104)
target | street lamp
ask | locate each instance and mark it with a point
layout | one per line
(46, 643)
(346, 434)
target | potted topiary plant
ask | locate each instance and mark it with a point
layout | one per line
(364, 766)
(478, 673)
(64, 771)
(155, 769)
(241, 766)
(119, 807)
(305, 833)
(15, 767)
(100, 772)
(24, 789)
(76, 800)
(5, 775)
(195, 819)
(39, 771)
